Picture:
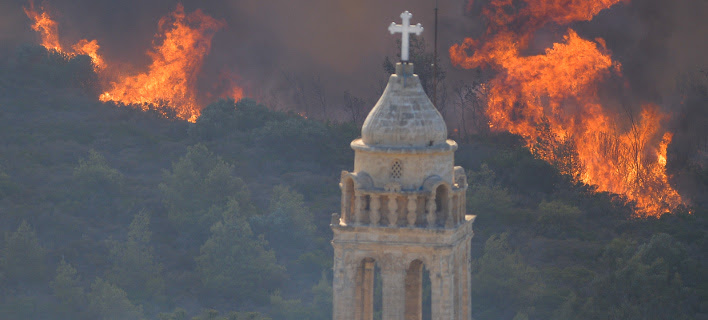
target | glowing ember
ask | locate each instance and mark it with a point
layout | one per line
(171, 77)
(551, 100)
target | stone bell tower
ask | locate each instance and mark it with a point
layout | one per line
(403, 208)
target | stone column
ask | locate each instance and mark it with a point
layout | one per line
(346, 207)
(431, 211)
(394, 292)
(464, 206)
(466, 283)
(460, 212)
(374, 206)
(343, 287)
(392, 209)
(414, 291)
(358, 208)
(365, 290)
(412, 206)
(450, 214)
(442, 288)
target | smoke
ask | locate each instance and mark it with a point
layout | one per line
(656, 41)
(662, 46)
(344, 42)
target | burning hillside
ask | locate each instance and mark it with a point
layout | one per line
(181, 44)
(552, 100)
(47, 28)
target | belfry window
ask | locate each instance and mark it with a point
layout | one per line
(396, 170)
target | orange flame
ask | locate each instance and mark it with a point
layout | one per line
(90, 48)
(47, 28)
(551, 100)
(171, 77)
(170, 81)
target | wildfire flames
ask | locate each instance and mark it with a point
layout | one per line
(182, 42)
(47, 29)
(552, 101)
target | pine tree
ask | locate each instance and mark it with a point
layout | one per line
(67, 289)
(234, 262)
(23, 259)
(134, 266)
(109, 302)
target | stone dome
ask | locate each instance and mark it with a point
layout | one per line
(404, 115)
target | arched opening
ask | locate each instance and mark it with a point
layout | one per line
(368, 296)
(348, 200)
(417, 285)
(442, 200)
(378, 293)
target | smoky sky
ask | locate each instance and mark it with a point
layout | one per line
(344, 42)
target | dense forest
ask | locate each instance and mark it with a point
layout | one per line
(124, 212)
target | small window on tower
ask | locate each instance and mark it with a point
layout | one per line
(396, 170)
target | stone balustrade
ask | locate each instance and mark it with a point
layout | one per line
(414, 209)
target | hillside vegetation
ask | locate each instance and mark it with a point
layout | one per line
(111, 212)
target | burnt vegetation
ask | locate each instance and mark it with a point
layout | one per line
(111, 212)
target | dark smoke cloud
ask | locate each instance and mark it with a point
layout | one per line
(345, 41)
(656, 41)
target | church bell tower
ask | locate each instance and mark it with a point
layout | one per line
(403, 208)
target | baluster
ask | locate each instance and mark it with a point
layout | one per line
(358, 208)
(412, 206)
(392, 210)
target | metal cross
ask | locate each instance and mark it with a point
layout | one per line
(405, 28)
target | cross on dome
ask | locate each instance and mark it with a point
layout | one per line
(405, 28)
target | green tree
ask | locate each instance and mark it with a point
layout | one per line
(95, 178)
(488, 199)
(23, 259)
(67, 289)
(109, 302)
(295, 138)
(321, 307)
(225, 117)
(134, 266)
(287, 309)
(646, 284)
(504, 285)
(288, 226)
(97, 187)
(233, 262)
(198, 188)
(557, 219)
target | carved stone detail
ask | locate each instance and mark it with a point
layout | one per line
(392, 187)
